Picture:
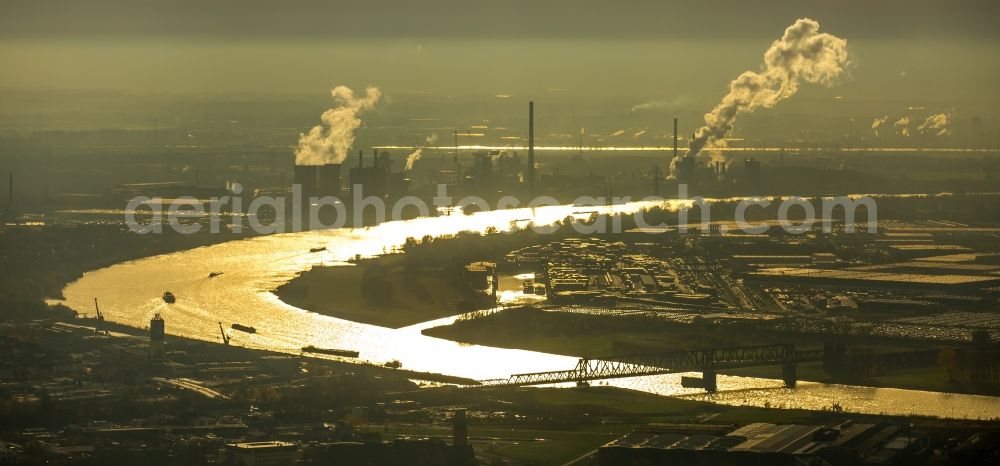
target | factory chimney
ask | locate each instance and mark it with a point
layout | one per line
(157, 332)
(656, 180)
(675, 137)
(460, 429)
(530, 178)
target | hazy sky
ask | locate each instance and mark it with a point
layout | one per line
(942, 51)
(501, 19)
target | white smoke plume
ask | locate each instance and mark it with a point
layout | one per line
(878, 122)
(936, 124)
(672, 169)
(665, 104)
(902, 126)
(415, 155)
(801, 54)
(329, 142)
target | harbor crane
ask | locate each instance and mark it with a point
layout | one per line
(225, 338)
(99, 320)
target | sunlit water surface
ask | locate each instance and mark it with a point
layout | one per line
(130, 293)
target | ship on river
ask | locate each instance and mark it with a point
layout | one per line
(330, 351)
(243, 328)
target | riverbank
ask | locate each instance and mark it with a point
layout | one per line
(537, 426)
(40, 262)
(380, 291)
(255, 267)
(595, 337)
(253, 353)
(590, 336)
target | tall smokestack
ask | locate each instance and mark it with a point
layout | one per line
(531, 148)
(675, 137)
(460, 429)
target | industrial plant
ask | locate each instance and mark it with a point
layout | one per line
(397, 233)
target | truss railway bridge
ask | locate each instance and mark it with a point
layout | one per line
(706, 361)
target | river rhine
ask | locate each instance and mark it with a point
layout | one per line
(130, 293)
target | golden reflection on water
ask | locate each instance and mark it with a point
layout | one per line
(130, 293)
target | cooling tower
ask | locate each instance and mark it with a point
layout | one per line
(306, 175)
(328, 181)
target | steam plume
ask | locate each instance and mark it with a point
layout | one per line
(415, 155)
(801, 54)
(878, 122)
(665, 104)
(330, 141)
(902, 126)
(935, 124)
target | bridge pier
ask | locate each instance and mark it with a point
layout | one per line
(709, 380)
(833, 357)
(789, 373)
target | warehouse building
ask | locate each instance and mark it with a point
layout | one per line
(847, 443)
(828, 278)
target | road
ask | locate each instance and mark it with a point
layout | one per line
(191, 385)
